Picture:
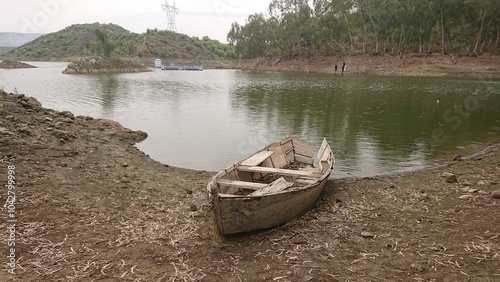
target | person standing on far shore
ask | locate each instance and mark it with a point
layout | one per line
(344, 67)
(335, 67)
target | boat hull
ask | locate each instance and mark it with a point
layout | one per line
(243, 213)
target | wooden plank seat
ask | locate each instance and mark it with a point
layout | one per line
(280, 171)
(257, 158)
(242, 184)
(265, 189)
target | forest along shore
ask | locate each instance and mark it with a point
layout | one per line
(90, 206)
(484, 66)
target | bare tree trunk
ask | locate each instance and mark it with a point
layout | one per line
(349, 32)
(482, 15)
(498, 36)
(364, 37)
(400, 37)
(375, 31)
(442, 33)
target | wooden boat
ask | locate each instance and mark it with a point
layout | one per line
(270, 187)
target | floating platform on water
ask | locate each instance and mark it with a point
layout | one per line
(187, 68)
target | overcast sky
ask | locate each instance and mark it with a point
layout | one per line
(195, 18)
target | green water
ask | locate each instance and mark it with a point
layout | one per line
(211, 119)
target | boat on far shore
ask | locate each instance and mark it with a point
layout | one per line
(187, 68)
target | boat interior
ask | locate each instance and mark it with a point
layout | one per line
(286, 165)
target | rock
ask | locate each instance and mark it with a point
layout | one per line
(67, 114)
(423, 196)
(392, 185)
(62, 134)
(33, 103)
(472, 190)
(366, 234)
(5, 131)
(481, 182)
(465, 197)
(193, 207)
(496, 194)
(417, 267)
(457, 158)
(24, 130)
(450, 177)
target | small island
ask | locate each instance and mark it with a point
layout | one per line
(96, 65)
(9, 64)
(103, 60)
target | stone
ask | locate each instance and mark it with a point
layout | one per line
(5, 131)
(496, 194)
(465, 197)
(24, 130)
(61, 134)
(366, 234)
(33, 103)
(457, 158)
(449, 177)
(193, 207)
(67, 114)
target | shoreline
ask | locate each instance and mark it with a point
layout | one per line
(90, 205)
(482, 66)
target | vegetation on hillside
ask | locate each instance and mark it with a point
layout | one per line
(90, 39)
(328, 27)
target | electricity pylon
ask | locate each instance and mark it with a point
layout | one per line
(171, 11)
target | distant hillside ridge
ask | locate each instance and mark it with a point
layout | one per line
(16, 39)
(73, 41)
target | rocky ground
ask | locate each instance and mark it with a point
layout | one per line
(405, 65)
(91, 207)
(8, 64)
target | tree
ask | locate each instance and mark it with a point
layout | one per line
(103, 45)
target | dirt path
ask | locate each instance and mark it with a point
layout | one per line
(91, 207)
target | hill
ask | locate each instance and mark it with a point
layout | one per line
(73, 42)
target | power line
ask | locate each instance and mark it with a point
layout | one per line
(158, 15)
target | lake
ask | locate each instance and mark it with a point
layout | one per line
(208, 120)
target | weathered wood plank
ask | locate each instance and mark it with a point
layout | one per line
(290, 172)
(303, 148)
(242, 184)
(257, 158)
(322, 149)
(276, 186)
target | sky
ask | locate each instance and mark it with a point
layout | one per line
(199, 18)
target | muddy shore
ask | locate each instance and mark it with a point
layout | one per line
(92, 207)
(483, 66)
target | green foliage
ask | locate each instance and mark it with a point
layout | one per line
(301, 27)
(112, 40)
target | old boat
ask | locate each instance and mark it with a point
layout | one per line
(270, 187)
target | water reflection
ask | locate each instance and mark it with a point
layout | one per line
(109, 87)
(371, 122)
(208, 120)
